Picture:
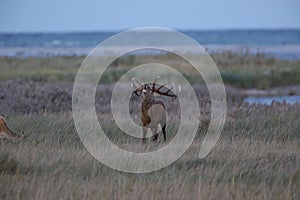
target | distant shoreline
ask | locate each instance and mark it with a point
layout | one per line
(284, 52)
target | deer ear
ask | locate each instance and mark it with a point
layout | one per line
(135, 84)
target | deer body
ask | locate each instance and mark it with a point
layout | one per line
(153, 110)
(6, 133)
(153, 114)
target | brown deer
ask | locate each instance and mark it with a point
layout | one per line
(153, 109)
(6, 133)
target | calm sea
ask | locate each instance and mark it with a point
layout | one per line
(284, 44)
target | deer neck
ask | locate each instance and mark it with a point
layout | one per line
(6, 132)
(147, 103)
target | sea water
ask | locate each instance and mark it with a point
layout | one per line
(284, 44)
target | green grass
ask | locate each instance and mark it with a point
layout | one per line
(40, 69)
(257, 157)
(257, 71)
(243, 71)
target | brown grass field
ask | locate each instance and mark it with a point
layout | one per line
(257, 156)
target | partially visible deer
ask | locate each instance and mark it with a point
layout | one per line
(6, 133)
(153, 110)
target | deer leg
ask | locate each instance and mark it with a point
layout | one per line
(164, 132)
(155, 134)
(144, 134)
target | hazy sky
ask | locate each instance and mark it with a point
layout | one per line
(93, 15)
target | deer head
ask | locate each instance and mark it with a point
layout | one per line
(152, 88)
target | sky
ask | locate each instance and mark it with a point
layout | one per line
(113, 15)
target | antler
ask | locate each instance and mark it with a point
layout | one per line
(137, 85)
(168, 91)
(163, 90)
(156, 88)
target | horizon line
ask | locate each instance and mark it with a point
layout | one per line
(176, 29)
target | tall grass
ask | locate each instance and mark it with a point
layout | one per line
(257, 157)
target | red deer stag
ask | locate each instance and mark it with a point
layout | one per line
(6, 133)
(153, 109)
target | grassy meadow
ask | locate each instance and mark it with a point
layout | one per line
(242, 71)
(256, 157)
